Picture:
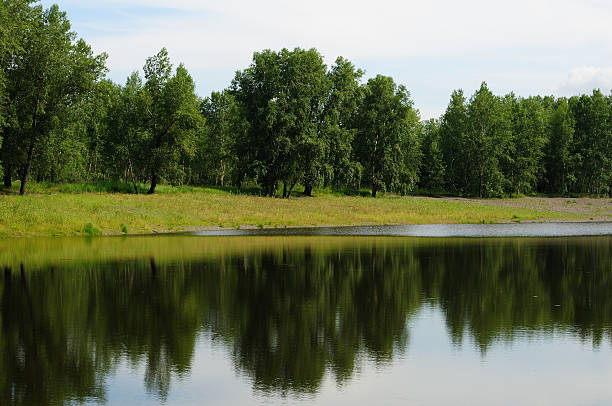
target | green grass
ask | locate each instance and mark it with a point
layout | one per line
(95, 187)
(77, 210)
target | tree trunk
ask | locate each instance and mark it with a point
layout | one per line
(153, 183)
(285, 190)
(222, 174)
(133, 179)
(8, 179)
(26, 171)
(308, 190)
(373, 181)
(291, 188)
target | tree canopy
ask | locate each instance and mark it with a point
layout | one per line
(286, 123)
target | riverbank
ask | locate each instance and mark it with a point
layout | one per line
(202, 208)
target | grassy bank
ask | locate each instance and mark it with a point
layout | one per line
(60, 213)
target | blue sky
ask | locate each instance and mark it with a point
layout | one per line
(560, 47)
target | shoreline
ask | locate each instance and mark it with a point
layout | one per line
(491, 230)
(209, 210)
(354, 230)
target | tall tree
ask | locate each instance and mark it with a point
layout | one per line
(216, 154)
(282, 97)
(173, 115)
(432, 168)
(123, 145)
(52, 73)
(255, 89)
(593, 142)
(306, 89)
(387, 142)
(525, 147)
(338, 124)
(560, 160)
(15, 19)
(453, 142)
(488, 132)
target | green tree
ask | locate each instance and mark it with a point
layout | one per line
(453, 143)
(338, 123)
(386, 141)
(123, 144)
(488, 131)
(525, 148)
(15, 19)
(255, 89)
(432, 166)
(72, 151)
(282, 97)
(173, 116)
(216, 152)
(51, 74)
(592, 142)
(560, 160)
(302, 101)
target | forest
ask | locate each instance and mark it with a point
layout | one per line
(286, 124)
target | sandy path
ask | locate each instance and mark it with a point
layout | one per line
(588, 209)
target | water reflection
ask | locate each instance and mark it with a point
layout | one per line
(286, 311)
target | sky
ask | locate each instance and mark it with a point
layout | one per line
(530, 47)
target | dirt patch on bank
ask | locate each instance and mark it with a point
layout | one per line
(584, 208)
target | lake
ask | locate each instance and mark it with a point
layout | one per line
(318, 319)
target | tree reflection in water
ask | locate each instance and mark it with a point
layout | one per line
(286, 313)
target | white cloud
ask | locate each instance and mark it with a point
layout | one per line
(357, 28)
(585, 79)
(215, 38)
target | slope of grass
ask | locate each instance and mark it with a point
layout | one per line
(175, 209)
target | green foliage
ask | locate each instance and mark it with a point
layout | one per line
(432, 172)
(386, 143)
(172, 120)
(286, 122)
(216, 159)
(560, 160)
(90, 230)
(493, 146)
(282, 97)
(51, 73)
(488, 130)
(525, 145)
(453, 140)
(341, 169)
(593, 143)
(15, 20)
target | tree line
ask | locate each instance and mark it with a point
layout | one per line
(287, 121)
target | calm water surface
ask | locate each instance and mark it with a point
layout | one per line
(436, 230)
(188, 320)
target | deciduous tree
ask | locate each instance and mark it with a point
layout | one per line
(387, 142)
(52, 73)
(173, 117)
